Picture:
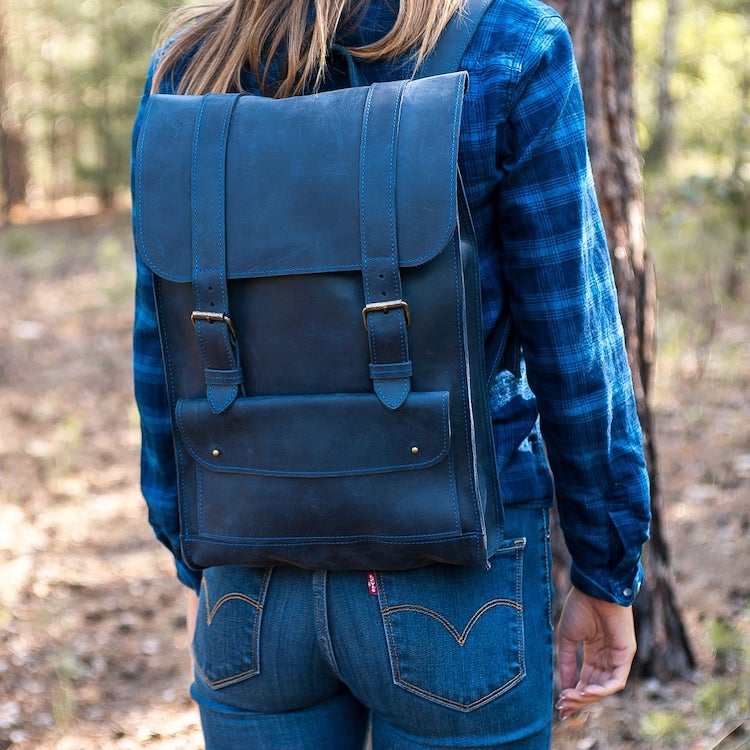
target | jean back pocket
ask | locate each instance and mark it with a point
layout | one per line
(226, 645)
(455, 633)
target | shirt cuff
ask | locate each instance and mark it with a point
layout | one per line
(621, 591)
(191, 578)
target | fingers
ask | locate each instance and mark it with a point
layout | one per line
(567, 663)
(606, 633)
(594, 684)
(581, 696)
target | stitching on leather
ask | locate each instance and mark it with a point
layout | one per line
(483, 403)
(228, 356)
(199, 492)
(159, 268)
(194, 175)
(396, 399)
(454, 495)
(363, 216)
(244, 541)
(179, 414)
(193, 200)
(179, 451)
(478, 519)
(141, 149)
(229, 108)
(223, 377)
(393, 403)
(392, 223)
(194, 212)
(216, 405)
(228, 348)
(362, 203)
(393, 256)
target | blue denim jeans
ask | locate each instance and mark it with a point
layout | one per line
(438, 657)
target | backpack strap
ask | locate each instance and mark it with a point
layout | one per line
(385, 315)
(502, 347)
(213, 326)
(453, 42)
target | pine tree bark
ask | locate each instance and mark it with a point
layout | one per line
(662, 144)
(4, 146)
(13, 162)
(602, 38)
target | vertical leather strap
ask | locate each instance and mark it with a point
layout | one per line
(385, 314)
(213, 325)
(502, 347)
(453, 42)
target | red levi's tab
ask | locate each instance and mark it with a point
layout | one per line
(372, 584)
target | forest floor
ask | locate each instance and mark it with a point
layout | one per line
(93, 652)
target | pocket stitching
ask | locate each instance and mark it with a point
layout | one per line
(516, 548)
(211, 611)
(460, 638)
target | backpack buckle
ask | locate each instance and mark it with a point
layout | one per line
(214, 317)
(384, 307)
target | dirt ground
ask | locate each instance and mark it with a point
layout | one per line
(93, 653)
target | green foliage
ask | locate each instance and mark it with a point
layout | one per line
(708, 167)
(713, 61)
(723, 636)
(18, 241)
(665, 727)
(78, 70)
(66, 665)
(727, 695)
(714, 697)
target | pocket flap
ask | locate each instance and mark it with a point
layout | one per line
(322, 435)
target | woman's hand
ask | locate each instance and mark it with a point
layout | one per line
(608, 637)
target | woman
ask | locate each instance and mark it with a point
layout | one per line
(288, 658)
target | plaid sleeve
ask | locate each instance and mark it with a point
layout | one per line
(158, 468)
(557, 271)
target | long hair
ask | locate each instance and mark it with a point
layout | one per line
(221, 39)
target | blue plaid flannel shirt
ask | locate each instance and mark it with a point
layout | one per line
(571, 413)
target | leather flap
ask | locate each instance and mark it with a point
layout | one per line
(283, 214)
(324, 436)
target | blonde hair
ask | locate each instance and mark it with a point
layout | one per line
(221, 39)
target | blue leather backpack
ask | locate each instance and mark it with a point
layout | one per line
(319, 307)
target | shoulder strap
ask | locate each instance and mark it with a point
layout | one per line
(453, 42)
(446, 54)
(502, 348)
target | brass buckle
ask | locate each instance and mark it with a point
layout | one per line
(393, 304)
(214, 317)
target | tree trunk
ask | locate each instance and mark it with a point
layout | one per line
(601, 32)
(662, 143)
(4, 166)
(738, 198)
(14, 172)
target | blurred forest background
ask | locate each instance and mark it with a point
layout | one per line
(92, 651)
